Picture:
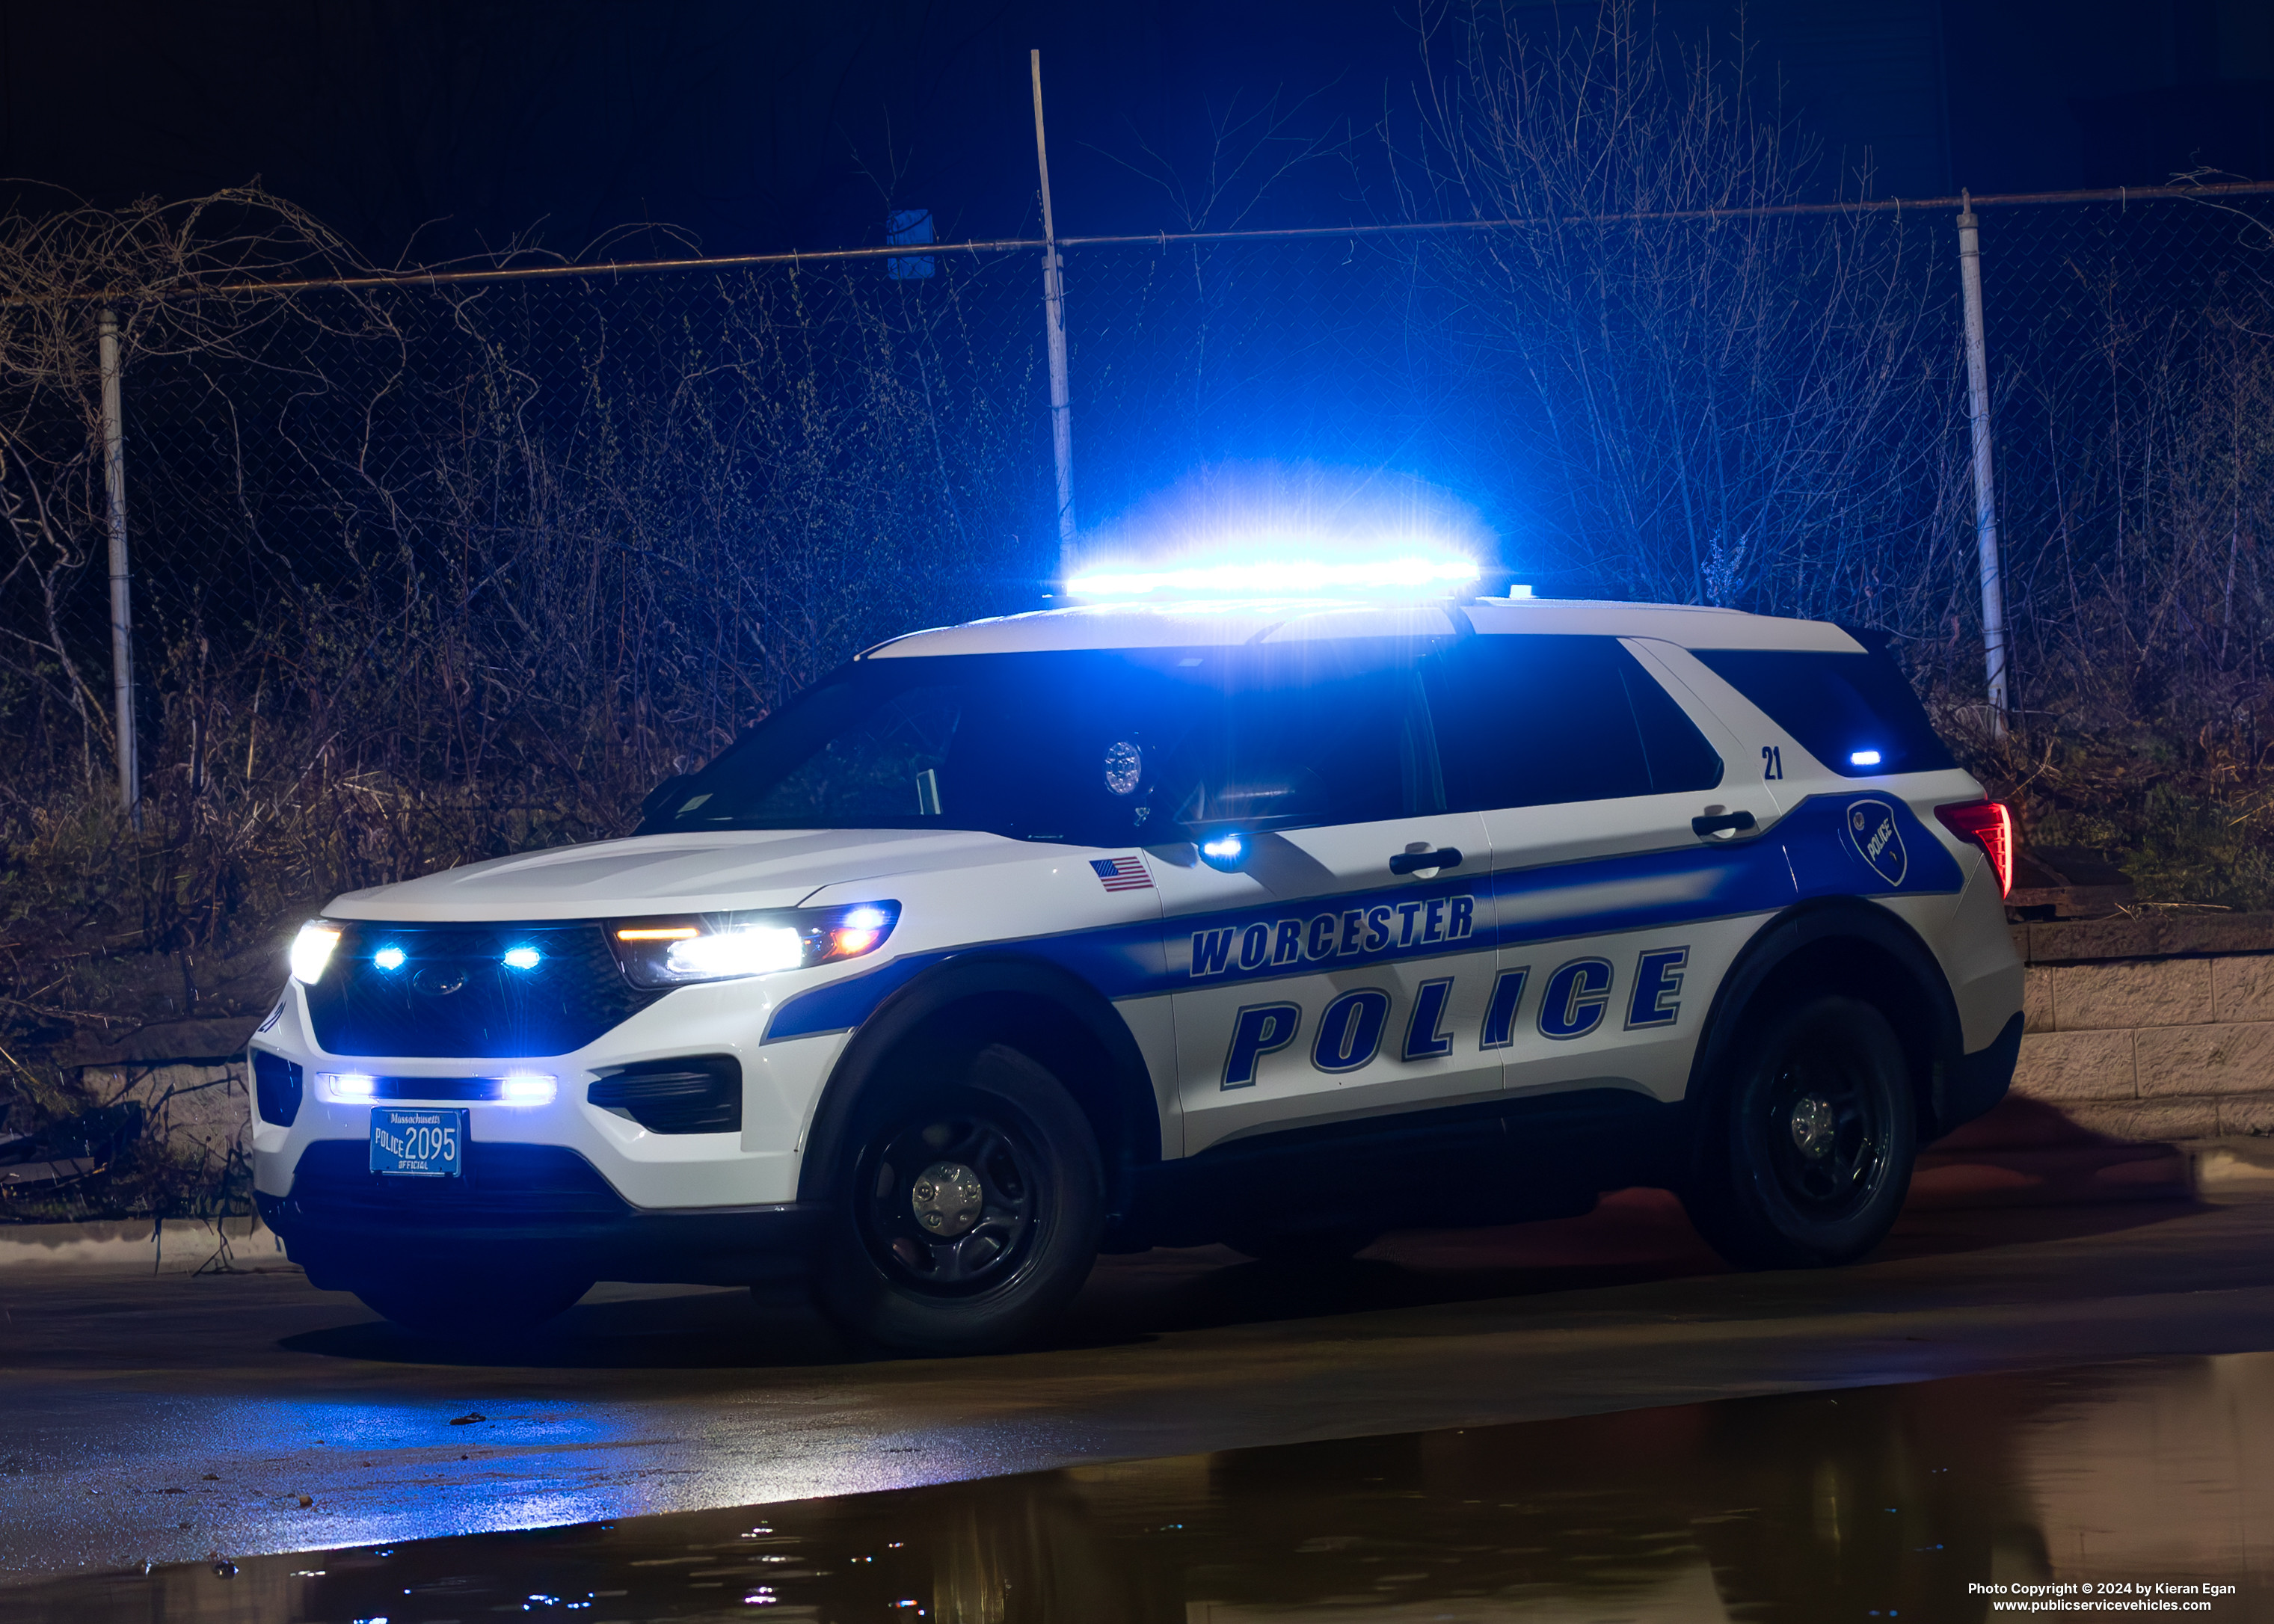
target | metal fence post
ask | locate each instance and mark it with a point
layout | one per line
(1985, 495)
(121, 600)
(1054, 325)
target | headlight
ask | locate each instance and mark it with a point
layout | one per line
(311, 950)
(716, 947)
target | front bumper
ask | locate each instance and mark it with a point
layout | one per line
(566, 1187)
(521, 1209)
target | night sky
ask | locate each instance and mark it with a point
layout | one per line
(427, 129)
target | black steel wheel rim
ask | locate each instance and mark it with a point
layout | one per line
(1001, 1233)
(1827, 1131)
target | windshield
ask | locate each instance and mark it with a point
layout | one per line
(1095, 747)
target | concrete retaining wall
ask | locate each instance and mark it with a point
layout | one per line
(2151, 1047)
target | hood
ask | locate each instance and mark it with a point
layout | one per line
(674, 873)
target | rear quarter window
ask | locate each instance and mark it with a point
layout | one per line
(1854, 713)
(1535, 719)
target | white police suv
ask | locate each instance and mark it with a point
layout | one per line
(1103, 928)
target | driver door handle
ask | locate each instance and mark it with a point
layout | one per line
(1443, 857)
(1703, 826)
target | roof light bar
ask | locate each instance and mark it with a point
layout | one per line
(1281, 578)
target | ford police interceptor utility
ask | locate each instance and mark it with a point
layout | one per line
(1110, 927)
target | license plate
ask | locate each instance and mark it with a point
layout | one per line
(418, 1143)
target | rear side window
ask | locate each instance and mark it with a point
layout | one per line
(1535, 721)
(1854, 713)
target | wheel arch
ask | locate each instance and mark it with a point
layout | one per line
(1037, 1007)
(1847, 945)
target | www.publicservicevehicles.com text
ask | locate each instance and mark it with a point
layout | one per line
(2109, 1595)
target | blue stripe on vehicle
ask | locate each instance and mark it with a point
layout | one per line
(1804, 856)
(1121, 961)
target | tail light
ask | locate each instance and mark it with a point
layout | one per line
(1989, 826)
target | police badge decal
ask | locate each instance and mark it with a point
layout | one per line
(1872, 830)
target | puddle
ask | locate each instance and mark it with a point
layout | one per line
(1869, 1503)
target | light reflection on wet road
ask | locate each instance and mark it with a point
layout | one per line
(160, 1419)
(1881, 1502)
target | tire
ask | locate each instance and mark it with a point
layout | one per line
(455, 1306)
(1804, 1152)
(1002, 1164)
(1304, 1248)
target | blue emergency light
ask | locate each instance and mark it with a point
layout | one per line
(1407, 576)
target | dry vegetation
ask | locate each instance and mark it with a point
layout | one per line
(430, 575)
(1766, 410)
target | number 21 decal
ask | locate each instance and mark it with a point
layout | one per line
(1772, 762)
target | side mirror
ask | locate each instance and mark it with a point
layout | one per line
(660, 796)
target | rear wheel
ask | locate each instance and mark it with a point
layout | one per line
(1806, 1149)
(968, 1211)
(459, 1306)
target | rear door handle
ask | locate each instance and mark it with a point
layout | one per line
(1703, 826)
(1443, 857)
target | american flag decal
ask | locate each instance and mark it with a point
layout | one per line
(1122, 873)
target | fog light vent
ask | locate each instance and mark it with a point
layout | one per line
(275, 1087)
(697, 1094)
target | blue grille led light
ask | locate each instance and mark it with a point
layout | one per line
(1863, 758)
(350, 1086)
(388, 959)
(523, 959)
(526, 1088)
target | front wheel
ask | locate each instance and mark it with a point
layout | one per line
(1805, 1152)
(967, 1211)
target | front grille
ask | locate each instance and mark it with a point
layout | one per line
(447, 990)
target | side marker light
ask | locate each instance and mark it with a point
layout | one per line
(1226, 853)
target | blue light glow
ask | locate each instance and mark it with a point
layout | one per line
(1282, 577)
(1863, 758)
(1225, 852)
(527, 1088)
(388, 959)
(1233, 533)
(522, 958)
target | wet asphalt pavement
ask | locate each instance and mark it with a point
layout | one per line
(2138, 1484)
(162, 1419)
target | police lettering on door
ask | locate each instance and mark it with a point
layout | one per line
(1576, 999)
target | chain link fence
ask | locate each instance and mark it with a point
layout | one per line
(428, 569)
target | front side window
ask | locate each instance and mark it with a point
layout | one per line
(1098, 746)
